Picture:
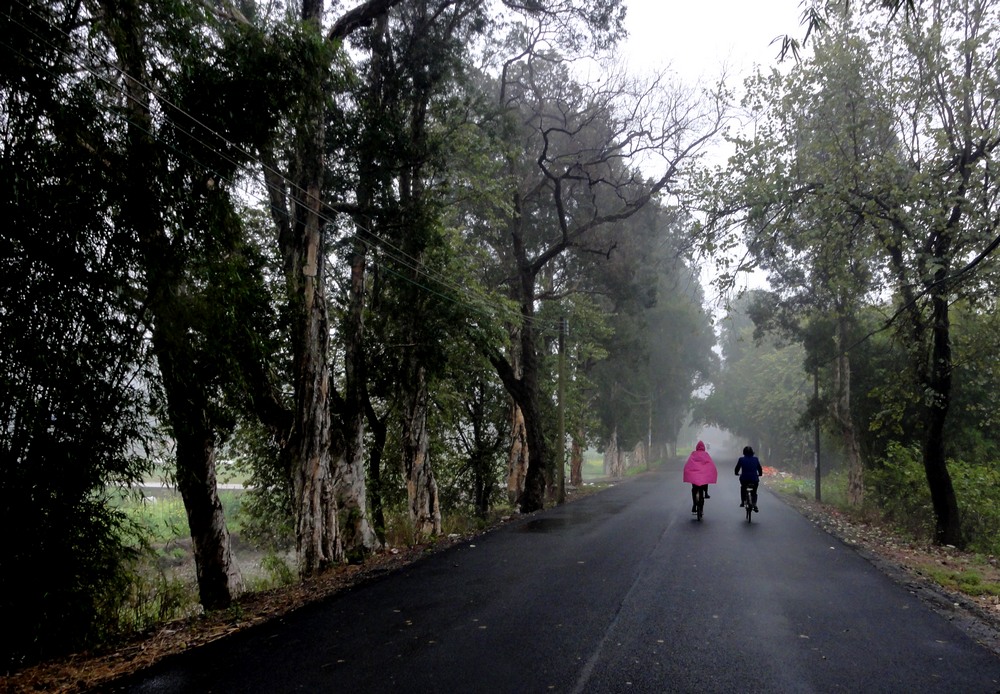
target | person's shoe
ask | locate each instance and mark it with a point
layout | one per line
(756, 509)
(694, 508)
(707, 496)
(742, 504)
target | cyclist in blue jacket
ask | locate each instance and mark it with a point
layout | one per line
(749, 469)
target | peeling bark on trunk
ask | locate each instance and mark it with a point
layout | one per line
(517, 460)
(316, 531)
(307, 445)
(614, 458)
(357, 534)
(639, 457)
(302, 241)
(421, 487)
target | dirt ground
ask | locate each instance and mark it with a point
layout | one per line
(910, 564)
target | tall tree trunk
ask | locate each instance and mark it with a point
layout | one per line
(948, 525)
(481, 482)
(421, 487)
(576, 461)
(357, 534)
(302, 243)
(934, 376)
(517, 459)
(533, 497)
(527, 393)
(307, 443)
(311, 443)
(218, 576)
(379, 432)
(640, 458)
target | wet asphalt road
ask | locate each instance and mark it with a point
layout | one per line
(618, 592)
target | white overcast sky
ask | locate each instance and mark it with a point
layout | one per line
(697, 37)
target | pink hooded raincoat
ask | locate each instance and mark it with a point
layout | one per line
(699, 468)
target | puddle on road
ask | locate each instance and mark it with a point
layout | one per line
(544, 525)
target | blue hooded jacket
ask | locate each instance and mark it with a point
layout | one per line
(749, 469)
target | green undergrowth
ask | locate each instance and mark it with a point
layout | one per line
(969, 581)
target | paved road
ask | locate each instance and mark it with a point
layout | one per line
(618, 592)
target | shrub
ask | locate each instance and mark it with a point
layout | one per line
(898, 491)
(977, 489)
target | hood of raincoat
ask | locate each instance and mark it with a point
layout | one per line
(699, 468)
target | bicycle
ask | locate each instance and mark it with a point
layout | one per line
(699, 501)
(745, 494)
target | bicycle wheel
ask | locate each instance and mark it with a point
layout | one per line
(749, 510)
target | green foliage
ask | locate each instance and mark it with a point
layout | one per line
(151, 598)
(898, 490)
(265, 515)
(977, 488)
(400, 530)
(277, 573)
(656, 341)
(71, 367)
(162, 518)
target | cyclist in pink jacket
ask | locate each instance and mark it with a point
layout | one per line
(699, 472)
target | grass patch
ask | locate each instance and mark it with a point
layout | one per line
(968, 582)
(593, 466)
(833, 487)
(276, 572)
(164, 519)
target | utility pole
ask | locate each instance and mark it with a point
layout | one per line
(819, 495)
(561, 439)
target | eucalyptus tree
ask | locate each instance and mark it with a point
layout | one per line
(928, 200)
(414, 103)
(320, 446)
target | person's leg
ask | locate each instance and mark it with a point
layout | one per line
(694, 498)
(706, 492)
(753, 494)
(743, 494)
